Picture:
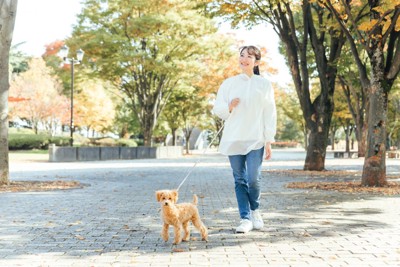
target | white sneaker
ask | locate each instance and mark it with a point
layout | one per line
(256, 219)
(245, 226)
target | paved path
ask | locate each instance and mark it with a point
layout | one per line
(114, 220)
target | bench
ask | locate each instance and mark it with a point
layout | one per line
(343, 154)
(393, 154)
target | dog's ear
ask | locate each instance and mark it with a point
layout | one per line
(174, 195)
(158, 195)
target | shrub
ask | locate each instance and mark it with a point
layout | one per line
(34, 141)
(127, 142)
(59, 141)
(103, 142)
(27, 141)
(113, 142)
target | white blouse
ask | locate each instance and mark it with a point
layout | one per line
(253, 122)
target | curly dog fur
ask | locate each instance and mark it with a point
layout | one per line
(179, 215)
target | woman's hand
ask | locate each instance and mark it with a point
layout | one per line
(268, 151)
(233, 104)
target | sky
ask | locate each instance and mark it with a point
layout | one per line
(41, 22)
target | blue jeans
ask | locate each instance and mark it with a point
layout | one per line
(247, 174)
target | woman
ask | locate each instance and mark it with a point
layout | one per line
(246, 103)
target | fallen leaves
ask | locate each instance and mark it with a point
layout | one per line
(79, 237)
(324, 174)
(352, 185)
(35, 186)
(178, 250)
(391, 188)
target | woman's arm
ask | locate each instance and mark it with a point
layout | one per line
(269, 117)
(222, 106)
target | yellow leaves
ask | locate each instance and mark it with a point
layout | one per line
(367, 25)
(380, 9)
(357, 3)
(228, 8)
(397, 26)
(386, 25)
(235, 8)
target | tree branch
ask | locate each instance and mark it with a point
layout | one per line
(361, 67)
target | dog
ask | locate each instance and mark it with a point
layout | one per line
(179, 215)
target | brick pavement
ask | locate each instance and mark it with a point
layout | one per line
(114, 220)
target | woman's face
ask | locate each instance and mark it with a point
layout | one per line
(247, 62)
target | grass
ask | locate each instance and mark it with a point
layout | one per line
(34, 151)
(28, 155)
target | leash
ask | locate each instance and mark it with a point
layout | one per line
(192, 168)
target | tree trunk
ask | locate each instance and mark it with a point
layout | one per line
(316, 151)
(173, 131)
(147, 136)
(306, 133)
(147, 123)
(7, 20)
(374, 171)
(124, 131)
(357, 111)
(332, 139)
(362, 140)
(347, 129)
(188, 132)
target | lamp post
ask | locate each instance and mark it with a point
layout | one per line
(79, 56)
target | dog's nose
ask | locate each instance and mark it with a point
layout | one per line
(166, 204)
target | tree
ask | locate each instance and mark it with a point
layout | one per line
(194, 114)
(50, 56)
(8, 10)
(172, 113)
(125, 123)
(44, 104)
(394, 119)
(142, 47)
(18, 60)
(357, 102)
(220, 65)
(375, 25)
(342, 117)
(94, 108)
(302, 26)
(290, 117)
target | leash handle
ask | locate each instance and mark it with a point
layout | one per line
(209, 145)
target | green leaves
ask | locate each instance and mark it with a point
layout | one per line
(145, 48)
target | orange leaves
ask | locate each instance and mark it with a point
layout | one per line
(53, 48)
(41, 90)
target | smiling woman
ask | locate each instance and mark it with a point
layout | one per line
(41, 22)
(246, 103)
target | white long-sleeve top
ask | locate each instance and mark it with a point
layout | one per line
(253, 122)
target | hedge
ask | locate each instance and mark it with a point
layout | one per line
(26, 141)
(33, 141)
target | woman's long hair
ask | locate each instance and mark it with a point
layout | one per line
(254, 51)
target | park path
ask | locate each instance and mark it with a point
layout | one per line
(114, 220)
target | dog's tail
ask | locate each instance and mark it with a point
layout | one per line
(195, 200)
